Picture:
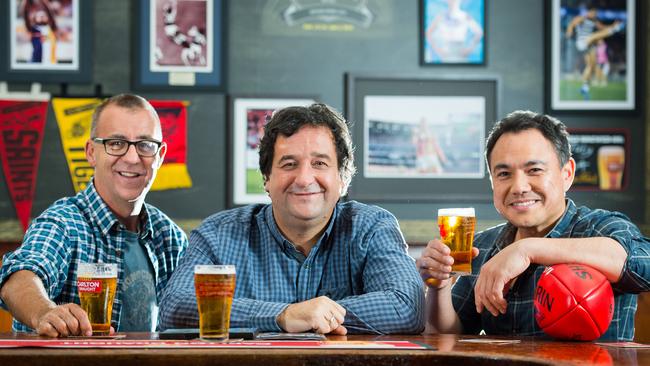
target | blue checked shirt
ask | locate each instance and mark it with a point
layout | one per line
(83, 229)
(576, 222)
(360, 262)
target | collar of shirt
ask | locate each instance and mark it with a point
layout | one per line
(105, 217)
(266, 215)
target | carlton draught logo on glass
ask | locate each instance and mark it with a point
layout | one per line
(96, 283)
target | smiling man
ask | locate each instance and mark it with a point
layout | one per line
(107, 222)
(531, 169)
(307, 261)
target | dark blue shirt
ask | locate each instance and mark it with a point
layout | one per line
(360, 261)
(519, 318)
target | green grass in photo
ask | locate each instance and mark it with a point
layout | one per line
(613, 91)
(254, 182)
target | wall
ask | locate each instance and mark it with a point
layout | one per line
(263, 64)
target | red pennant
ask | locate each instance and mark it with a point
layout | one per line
(21, 136)
(173, 120)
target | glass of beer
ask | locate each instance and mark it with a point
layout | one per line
(96, 283)
(215, 287)
(611, 160)
(457, 231)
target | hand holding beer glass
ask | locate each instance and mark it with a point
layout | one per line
(457, 232)
(96, 283)
(215, 287)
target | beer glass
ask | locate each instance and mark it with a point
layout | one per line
(611, 160)
(457, 231)
(96, 283)
(215, 287)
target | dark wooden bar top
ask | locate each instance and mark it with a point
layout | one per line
(447, 350)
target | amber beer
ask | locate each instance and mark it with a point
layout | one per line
(611, 160)
(96, 283)
(457, 231)
(215, 287)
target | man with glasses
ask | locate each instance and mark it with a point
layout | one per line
(107, 222)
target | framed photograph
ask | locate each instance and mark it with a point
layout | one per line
(180, 44)
(421, 139)
(45, 40)
(248, 117)
(602, 158)
(592, 55)
(452, 32)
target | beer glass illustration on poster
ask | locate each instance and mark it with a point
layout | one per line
(602, 157)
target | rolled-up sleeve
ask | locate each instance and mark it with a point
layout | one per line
(635, 277)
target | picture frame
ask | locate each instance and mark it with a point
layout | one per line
(248, 115)
(402, 164)
(602, 158)
(591, 60)
(180, 45)
(48, 45)
(452, 36)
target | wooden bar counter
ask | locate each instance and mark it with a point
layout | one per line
(446, 350)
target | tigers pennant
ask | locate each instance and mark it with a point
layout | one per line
(74, 116)
(21, 137)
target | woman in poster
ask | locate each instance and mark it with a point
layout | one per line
(453, 35)
(38, 16)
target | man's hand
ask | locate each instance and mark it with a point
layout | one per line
(496, 276)
(321, 315)
(62, 321)
(435, 263)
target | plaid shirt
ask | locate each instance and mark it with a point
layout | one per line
(576, 222)
(83, 229)
(360, 261)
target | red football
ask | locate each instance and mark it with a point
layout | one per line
(573, 301)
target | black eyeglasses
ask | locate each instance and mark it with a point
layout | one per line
(119, 147)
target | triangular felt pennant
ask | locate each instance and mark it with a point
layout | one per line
(21, 137)
(173, 121)
(74, 117)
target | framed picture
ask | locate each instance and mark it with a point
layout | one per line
(602, 158)
(452, 32)
(592, 57)
(45, 40)
(248, 117)
(420, 139)
(180, 45)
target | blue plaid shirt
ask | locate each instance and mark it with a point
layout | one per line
(83, 229)
(360, 262)
(576, 222)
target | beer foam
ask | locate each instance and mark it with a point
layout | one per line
(97, 270)
(464, 212)
(214, 269)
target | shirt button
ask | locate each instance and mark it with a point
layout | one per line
(308, 267)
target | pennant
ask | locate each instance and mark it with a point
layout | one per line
(173, 120)
(21, 137)
(74, 116)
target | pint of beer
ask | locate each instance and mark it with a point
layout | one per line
(457, 231)
(96, 283)
(215, 287)
(611, 160)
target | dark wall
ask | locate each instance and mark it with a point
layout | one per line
(264, 64)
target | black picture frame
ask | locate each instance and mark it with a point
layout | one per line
(247, 115)
(77, 70)
(433, 26)
(407, 186)
(618, 91)
(209, 77)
